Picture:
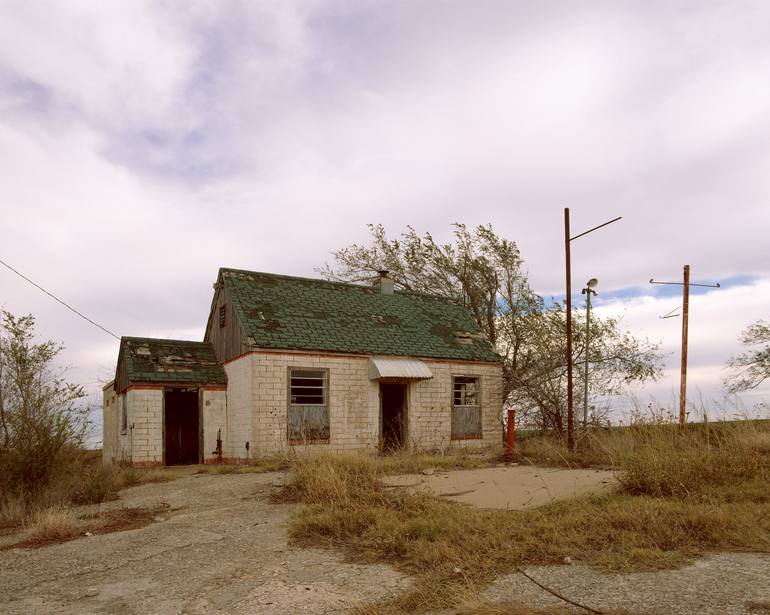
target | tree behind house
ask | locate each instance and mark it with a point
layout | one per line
(42, 422)
(752, 367)
(486, 273)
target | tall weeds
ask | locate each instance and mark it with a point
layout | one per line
(680, 495)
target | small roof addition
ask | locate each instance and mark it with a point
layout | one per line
(167, 362)
(381, 368)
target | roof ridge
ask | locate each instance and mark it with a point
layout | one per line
(337, 283)
(132, 338)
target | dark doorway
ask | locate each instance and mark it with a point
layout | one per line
(182, 435)
(393, 404)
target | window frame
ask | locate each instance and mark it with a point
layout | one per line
(326, 405)
(478, 406)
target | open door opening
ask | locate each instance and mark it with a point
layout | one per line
(182, 434)
(393, 408)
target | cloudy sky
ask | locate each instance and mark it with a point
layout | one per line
(146, 144)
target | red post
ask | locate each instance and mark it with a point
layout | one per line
(511, 434)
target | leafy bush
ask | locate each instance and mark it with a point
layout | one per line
(42, 419)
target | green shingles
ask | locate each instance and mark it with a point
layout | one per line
(285, 312)
(150, 360)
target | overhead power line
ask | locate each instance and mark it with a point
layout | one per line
(54, 297)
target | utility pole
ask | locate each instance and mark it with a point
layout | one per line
(568, 268)
(685, 284)
(567, 240)
(587, 291)
(683, 369)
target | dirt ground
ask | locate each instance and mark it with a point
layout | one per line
(509, 487)
(222, 548)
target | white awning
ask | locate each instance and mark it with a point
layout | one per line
(390, 367)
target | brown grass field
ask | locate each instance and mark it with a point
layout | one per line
(681, 495)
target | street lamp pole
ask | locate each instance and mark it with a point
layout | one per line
(587, 291)
(570, 400)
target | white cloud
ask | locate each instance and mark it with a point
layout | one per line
(716, 319)
(146, 144)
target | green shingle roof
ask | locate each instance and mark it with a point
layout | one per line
(286, 312)
(151, 360)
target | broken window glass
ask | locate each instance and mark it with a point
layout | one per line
(308, 419)
(466, 408)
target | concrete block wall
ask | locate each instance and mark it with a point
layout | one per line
(430, 407)
(240, 410)
(144, 436)
(116, 445)
(353, 402)
(255, 405)
(110, 425)
(214, 411)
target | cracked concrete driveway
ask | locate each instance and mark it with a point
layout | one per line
(222, 548)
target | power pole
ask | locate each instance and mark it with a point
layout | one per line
(570, 408)
(685, 284)
(567, 240)
(683, 371)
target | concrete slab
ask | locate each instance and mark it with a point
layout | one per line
(720, 584)
(509, 487)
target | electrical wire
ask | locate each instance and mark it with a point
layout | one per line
(69, 307)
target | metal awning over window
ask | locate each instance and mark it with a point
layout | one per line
(381, 368)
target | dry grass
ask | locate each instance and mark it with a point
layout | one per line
(258, 466)
(57, 523)
(90, 483)
(604, 447)
(61, 523)
(406, 462)
(683, 495)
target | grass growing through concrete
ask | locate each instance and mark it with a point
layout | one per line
(682, 495)
(61, 523)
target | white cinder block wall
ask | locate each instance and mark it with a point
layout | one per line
(430, 406)
(354, 404)
(110, 418)
(214, 411)
(240, 415)
(144, 436)
(142, 441)
(254, 409)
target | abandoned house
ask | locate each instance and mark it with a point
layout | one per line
(292, 363)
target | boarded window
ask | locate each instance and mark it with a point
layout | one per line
(222, 316)
(466, 408)
(123, 413)
(308, 419)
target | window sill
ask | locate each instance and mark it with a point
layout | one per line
(469, 437)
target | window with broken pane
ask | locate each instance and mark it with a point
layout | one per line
(466, 408)
(308, 412)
